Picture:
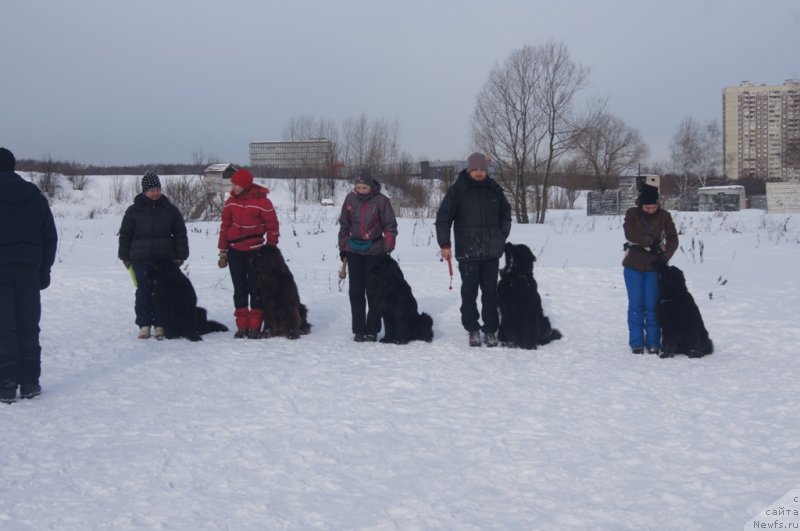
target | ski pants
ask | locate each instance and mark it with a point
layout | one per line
(362, 294)
(245, 283)
(643, 327)
(481, 274)
(20, 311)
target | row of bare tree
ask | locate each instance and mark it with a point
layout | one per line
(526, 118)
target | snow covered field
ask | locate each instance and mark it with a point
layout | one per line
(325, 433)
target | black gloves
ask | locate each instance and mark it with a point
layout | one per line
(342, 255)
(655, 248)
(178, 262)
(127, 264)
(44, 279)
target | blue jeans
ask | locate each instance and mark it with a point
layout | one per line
(643, 327)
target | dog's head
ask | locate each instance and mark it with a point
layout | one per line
(164, 272)
(268, 262)
(519, 259)
(386, 269)
(670, 279)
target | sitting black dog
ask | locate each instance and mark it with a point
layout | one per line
(284, 314)
(682, 328)
(522, 320)
(397, 305)
(175, 304)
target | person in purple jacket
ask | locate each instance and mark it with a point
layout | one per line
(28, 241)
(367, 229)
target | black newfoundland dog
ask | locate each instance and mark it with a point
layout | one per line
(682, 328)
(284, 315)
(522, 320)
(397, 305)
(175, 303)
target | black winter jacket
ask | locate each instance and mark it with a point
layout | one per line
(480, 216)
(151, 230)
(27, 229)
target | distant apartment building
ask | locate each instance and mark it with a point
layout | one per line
(292, 158)
(761, 128)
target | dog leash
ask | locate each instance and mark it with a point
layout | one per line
(449, 268)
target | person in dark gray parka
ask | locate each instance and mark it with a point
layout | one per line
(480, 215)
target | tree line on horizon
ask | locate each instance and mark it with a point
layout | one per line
(526, 118)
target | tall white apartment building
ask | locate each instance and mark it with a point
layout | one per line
(761, 128)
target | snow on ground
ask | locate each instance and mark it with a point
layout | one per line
(324, 433)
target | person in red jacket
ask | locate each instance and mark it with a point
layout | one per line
(248, 217)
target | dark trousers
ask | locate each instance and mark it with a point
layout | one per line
(245, 284)
(479, 274)
(362, 282)
(143, 306)
(20, 311)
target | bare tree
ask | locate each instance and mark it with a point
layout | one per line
(557, 87)
(47, 180)
(695, 153)
(608, 148)
(76, 175)
(522, 120)
(370, 144)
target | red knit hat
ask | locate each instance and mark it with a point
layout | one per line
(242, 178)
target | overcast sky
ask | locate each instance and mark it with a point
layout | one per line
(146, 81)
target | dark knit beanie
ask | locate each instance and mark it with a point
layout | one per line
(648, 195)
(242, 178)
(365, 177)
(477, 161)
(150, 180)
(7, 160)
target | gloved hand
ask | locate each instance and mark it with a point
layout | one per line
(446, 253)
(127, 264)
(44, 279)
(655, 248)
(342, 255)
(178, 262)
(223, 259)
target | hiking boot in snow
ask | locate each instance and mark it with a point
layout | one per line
(653, 350)
(637, 350)
(359, 338)
(144, 332)
(8, 392)
(160, 333)
(370, 337)
(490, 339)
(240, 334)
(475, 338)
(29, 390)
(663, 354)
(253, 334)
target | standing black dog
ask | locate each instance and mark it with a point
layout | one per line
(682, 328)
(522, 320)
(175, 303)
(397, 305)
(284, 315)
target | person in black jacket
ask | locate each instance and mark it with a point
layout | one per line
(477, 209)
(28, 242)
(152, 229)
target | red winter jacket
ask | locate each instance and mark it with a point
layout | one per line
(246, 218)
